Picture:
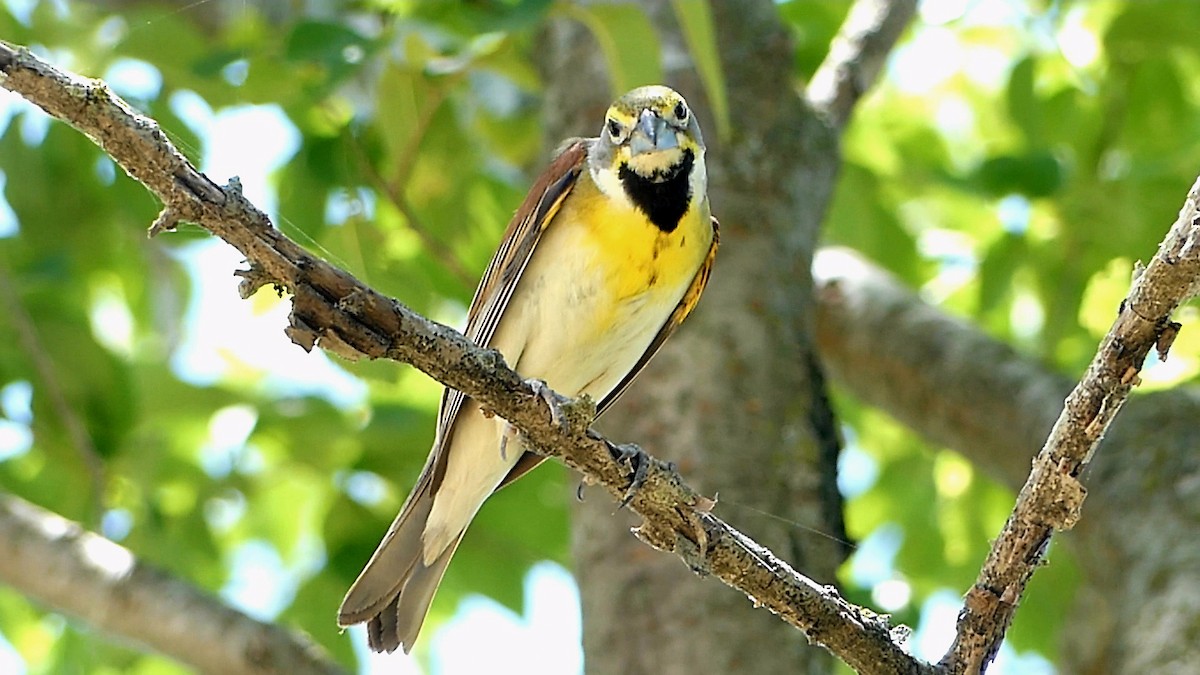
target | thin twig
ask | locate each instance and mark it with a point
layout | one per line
(332, 308)
(43, 366)
(394, 191)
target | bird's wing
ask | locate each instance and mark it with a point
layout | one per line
(395, 588)
(686, 304)
(516, 248)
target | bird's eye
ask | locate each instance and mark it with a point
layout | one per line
(680, 111)
(614, 128)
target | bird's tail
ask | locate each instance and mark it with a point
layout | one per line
(395, 589)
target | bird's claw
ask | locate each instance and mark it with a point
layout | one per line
(509, 432)
(639, 461)
(544, 392)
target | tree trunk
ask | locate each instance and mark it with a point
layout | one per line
(735, 398)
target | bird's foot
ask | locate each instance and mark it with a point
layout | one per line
(635, 458)
(544, 392)
(557, 416)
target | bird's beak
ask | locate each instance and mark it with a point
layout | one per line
(651, 134)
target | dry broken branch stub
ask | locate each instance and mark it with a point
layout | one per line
(1166, 337)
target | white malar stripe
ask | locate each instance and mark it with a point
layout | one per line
(610, 185)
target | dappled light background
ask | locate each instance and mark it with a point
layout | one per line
(395, 140)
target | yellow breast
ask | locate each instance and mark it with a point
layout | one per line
(602, 282)
(640, 257)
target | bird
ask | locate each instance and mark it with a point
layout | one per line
(606, 256)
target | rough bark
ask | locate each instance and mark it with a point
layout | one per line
(1138, 602)
(744, 353)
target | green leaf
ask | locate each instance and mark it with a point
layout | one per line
(813, 24)
(395, 442)
(1046, 604)
(288, 505)
(321, 41)
(1144, 28)
(1157, 108)
(517, 527)
(1023, 103)
(311, 611)
(1035, 174)
(1000, 264)
(696, 22)
(629, 42)
(152, 31)
(857, 201)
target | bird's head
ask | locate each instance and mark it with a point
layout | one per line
(650, 149)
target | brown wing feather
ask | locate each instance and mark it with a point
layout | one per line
(504, 271)
(692, 296)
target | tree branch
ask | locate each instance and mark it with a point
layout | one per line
(960, 388)
(856, 56)
(59, 563)
(941, 377)
(1053, 496)
(333, 309)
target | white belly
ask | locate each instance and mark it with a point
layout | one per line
(562, 325)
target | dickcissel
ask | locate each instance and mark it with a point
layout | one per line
(604, 259)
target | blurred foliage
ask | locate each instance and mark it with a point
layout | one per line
(1016, 160)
